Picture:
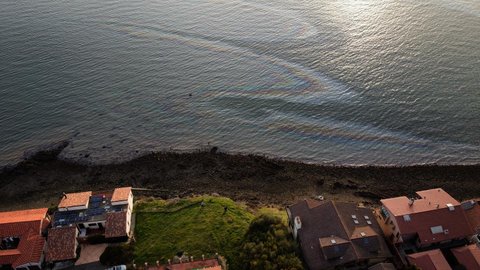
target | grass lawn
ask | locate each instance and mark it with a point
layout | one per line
(165, 228)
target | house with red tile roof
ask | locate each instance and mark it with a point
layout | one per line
(429, 260)
(468, 256)
(21, 238)
(62, 244)
(204, 264)
(472, 211)
(122, 196)
(337, 234)
(74, 201)
(431, 217)
(102, 213)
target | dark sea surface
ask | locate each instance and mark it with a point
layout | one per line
(343, 82)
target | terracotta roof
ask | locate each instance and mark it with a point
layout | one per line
(382, 266)
(429, 260)
(430, 200)
(121, 194)
(61, 244)
(75, 199)
(423, 215)
(342, 222)
(23, 215)
(19, 228)
(472, 211)
(211, 264)
(468, 256)
(116, 224)
(31, 249)
(26, 225)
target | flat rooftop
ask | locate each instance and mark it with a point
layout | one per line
(98, 207)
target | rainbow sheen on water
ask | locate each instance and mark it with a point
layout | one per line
(343, 82)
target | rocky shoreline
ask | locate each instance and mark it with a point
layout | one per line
(40, 180)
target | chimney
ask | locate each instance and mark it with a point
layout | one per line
(64, 195)
(410, 202)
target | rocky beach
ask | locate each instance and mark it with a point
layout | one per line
(39, 180)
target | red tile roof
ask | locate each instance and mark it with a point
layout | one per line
(472, 211)
(121, 194)
(23, 215)
(430, 200)
(26, 225)
(61, 244)
(116, 224)
(424, 214)
(429, 260)
(31, 249)
(354, 230)
(201, 264)
(75, 199)
(208, 264)
(468, 256)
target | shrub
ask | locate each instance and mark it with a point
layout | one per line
(116, 255)
(268, 245)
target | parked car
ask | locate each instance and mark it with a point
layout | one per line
(117, 267)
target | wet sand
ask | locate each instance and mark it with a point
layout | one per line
(40, 180)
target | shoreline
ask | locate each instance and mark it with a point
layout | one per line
(257, 180)
(89, 158)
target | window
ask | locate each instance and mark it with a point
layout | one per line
(437, 229)
(407, 218)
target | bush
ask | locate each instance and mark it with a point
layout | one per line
(116, 255)
(268, 245)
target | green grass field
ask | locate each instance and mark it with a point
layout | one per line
(165, 228)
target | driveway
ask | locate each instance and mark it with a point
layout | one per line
(90, 254)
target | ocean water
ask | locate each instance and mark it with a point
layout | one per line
(344, 82)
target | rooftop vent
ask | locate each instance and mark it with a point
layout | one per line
(333, 241)
(366, 217)
(354, 216)
(411, 201)
(363, 234)
(369, 222)
(356, 221)
(450, 207)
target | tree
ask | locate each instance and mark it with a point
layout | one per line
(116, 255)
(268, 245)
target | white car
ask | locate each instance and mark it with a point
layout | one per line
(117, 267)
